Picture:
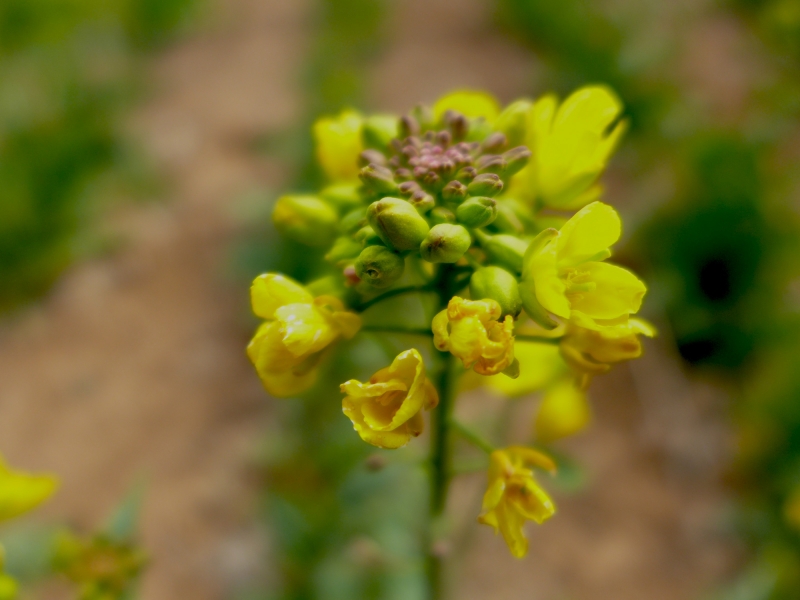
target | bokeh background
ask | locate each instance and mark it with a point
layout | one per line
(142, 143)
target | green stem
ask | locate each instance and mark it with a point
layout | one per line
(472, 436)
(539, 339)
(397, 329)
(391, 294)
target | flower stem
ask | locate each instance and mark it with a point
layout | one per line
(391, 294)
(472, 436)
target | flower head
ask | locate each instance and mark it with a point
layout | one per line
(338, 144)
(286, 347)
(471, 331)
(21, 492)
(387, 410)
(593, 351)
(513, 495)
(571, 145)
(565, 267)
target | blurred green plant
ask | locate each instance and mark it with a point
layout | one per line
(68, 69)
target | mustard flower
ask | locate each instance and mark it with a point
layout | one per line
(21, 492)
(387, 410)
(514, 496)
(570, 280)
(571, 146)
(286, 347)
(471, 331)
(591, 351)
(338, 143)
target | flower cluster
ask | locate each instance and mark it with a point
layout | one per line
(476, 204)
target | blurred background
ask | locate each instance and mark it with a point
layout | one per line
(142, 143)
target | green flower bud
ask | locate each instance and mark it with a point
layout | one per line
(440, 214)
(485, 184)
(379, 267)
(398, 223)
(305, 219)
(494, 143)
(516, 159)
(497, 284)
(378, 179)
(491, 163)
(445, 243)
(366, 236)
(454, 191)
(513, 122)
(378, 130)
(422, 201)
(466, 174)
(354, 220)
(504, 250)
(477, 212)
(513, 217)
(344, 250)
(342, 196)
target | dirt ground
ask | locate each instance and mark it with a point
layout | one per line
(134, 366)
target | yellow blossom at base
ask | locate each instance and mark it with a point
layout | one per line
(570, 280)
(471, 331)
(286, 347)
(591, 352)
(21, 492)
(564, 411)
(338, 144)
(513, 495)
(387, 411)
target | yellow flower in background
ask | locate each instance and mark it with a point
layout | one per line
(8, 587)
(21, 492)
(539, 366)
(569, 278)
(593, 352)
(513, 495)
(387, 411)
(286, 347)
(338, 143)
(571, 146)
(471, 331)
(564, 411)
(472, 104)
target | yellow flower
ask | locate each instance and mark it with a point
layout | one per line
(338, 144)
(470, 330)
(539, 366)
(387, 411)
(8, 587)
(286, 347)
(564, 411)
(514, 496)
(569, 278)
(592, 351)
(571, 145)
(21, 492)
(472, 104)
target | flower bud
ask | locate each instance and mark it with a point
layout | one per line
(466, 174)
(398, 223)
(513, 121)
(440, 214)
(378, 130)
(485, 184)
(342, 196)
(477, 211)
(513, 216)
(344, 250)
(516, 159)
(369, 156)
(422, 201)
(377, 178)
(505, 250)
(305, 219)
(353, 220)
(445, 243)
(499, 285)
(379, 266)
(366, 236)
(455, 191)
(491, 163)
(494, 143)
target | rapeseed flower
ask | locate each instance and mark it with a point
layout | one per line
(387, 410)
(570, 280)
(514, 496)
(287, 347)
(471, 330)
(592, 351)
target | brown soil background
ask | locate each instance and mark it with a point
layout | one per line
(134, 365)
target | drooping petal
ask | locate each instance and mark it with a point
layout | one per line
(593, 229)
(511, 523)
(270, 291)
(616, 292)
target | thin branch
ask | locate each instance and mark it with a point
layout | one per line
(391, 294)
(539, 339)
(472, 436)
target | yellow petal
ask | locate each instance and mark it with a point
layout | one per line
(564, 411)
(305, 328)
(494, 494)
(542, 268)
(593, 229)
(382, 439)
(522, 455)
(471, 104)
(532, 502)
(270, 291)
(21, 492)
(617, 292)
(338, 144)
(511, 523)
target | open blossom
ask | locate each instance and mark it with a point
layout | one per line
(387, 410)
(513, 495)
(571, 146)
(286, 347)
(571, 281)
(593, 351)
(471, 331)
